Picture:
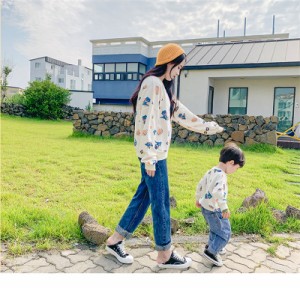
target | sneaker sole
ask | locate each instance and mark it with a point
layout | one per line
(212, 260)
(187, 264)
(120, 259)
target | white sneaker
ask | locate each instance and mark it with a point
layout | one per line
(176, 262)
(215, 259)
(118, 251)
(221, 252)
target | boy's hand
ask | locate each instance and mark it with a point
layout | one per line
(198, 205)
(226, 214)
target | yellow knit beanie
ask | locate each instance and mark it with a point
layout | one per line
(167, 53)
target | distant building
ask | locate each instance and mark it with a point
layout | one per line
(11, 90)
(76, 78)
(68, 76)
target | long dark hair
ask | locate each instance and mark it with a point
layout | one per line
(169, 85)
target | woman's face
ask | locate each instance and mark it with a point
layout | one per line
(173, 71)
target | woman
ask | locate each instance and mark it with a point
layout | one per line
(155, 106)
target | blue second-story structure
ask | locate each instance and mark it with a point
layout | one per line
(119, 64)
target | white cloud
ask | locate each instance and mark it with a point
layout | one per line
(62, 29)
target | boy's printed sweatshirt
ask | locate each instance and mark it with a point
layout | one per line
(212, 190)
(153, 129)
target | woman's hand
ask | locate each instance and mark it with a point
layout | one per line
(150, 173)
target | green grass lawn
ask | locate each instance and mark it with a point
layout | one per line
(49, 176)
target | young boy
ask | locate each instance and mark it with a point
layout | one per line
(211, 196)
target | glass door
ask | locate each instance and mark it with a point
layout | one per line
(284, 101)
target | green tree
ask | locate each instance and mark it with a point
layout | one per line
(4, 83)
(45, 100)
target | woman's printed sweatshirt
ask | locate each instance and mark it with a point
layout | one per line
(212, 190)
(153, 129)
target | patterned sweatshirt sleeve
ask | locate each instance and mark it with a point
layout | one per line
(184, 117)
(200, 190)
(219, 191)
(148, 126)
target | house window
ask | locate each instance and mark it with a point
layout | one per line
(119, 71)
(142, 68)
(284, 101)
(38, 79)
(60, 80)
(37, 65)
(132, 67)
(121, 67)
(237, 104)
(109, 68)
(72, 84)
(98, 68)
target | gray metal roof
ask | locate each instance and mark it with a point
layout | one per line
(266, 53)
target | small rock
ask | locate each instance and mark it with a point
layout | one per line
(279, 215)
(91, 229)
(174, 225)
(95, 233)
(173, 202)
(292, 212)
(256, 198)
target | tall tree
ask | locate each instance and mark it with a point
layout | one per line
(4, 83)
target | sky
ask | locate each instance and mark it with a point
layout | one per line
(62, 29)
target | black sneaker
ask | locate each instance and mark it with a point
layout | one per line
(221, 252)
(215, 259)
(176, 262)
(117, 250)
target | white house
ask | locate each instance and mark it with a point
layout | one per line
(76, 78)
(254, 77)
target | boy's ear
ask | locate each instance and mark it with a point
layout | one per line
(231, 162)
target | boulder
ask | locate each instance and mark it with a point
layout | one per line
(255, 199)
(279, 215)
(292, 212)
(91, 229)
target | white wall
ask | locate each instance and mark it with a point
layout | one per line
(37, 72)
(68, 72)
(260, 82)
(81, 99)
(114, 108)
(194, 91)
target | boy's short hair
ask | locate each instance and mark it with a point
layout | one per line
(232, 152)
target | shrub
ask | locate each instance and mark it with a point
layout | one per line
(45, 100)
(15, 99)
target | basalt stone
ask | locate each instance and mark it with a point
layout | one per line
(255, 199)
(173, 202)
(292, 212)
(92, 230)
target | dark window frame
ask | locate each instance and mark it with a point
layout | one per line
(123, 76)
(247, 90)
(294, 101)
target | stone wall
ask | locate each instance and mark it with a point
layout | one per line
(20, 110)
(239, 128)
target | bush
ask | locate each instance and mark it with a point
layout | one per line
(45, 100)
(15, 99)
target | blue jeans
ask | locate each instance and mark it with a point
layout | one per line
(154, 191)
(219, 230)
